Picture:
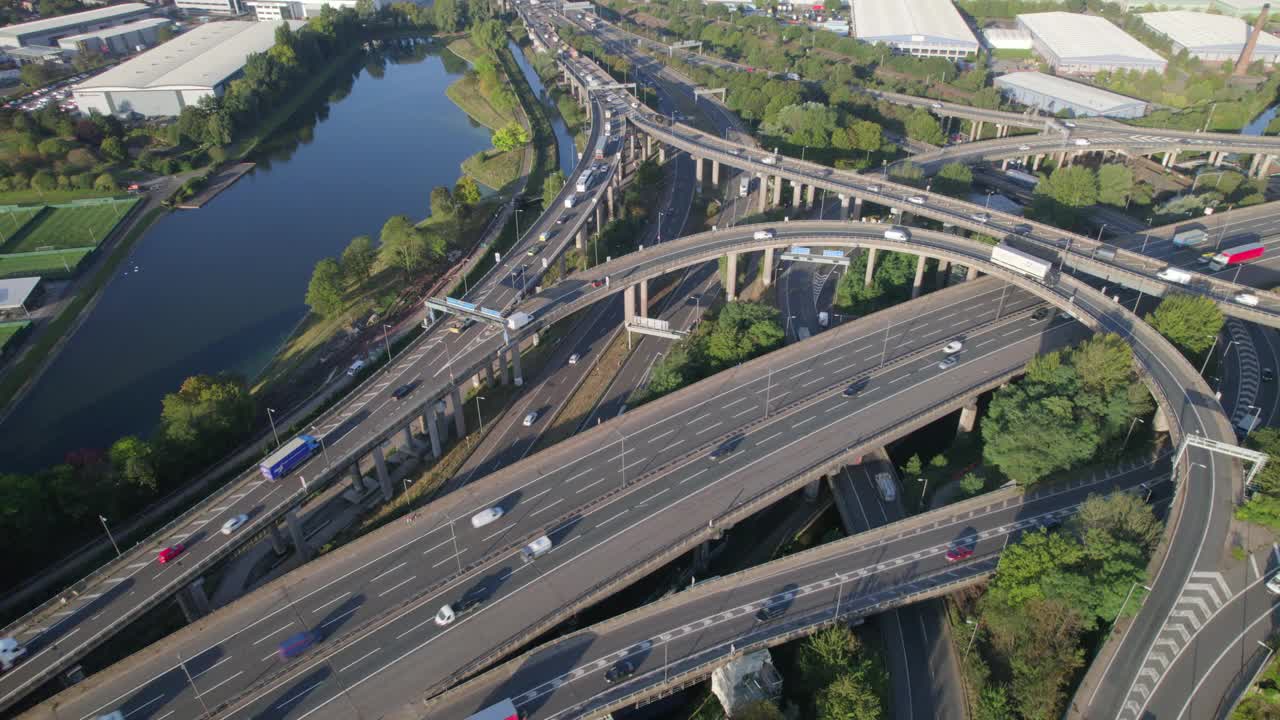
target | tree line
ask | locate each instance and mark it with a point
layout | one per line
(733, 334)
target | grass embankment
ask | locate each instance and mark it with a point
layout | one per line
(493, 168)
(465, 93)
(9, 330)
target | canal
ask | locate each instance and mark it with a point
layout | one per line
(564, 140)
(220, 288)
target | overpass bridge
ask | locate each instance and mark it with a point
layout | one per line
(592, 473)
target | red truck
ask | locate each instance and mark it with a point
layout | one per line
(1236, 255)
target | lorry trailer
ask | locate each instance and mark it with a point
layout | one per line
(1236, 255)
(1010, 257)
(289, 456)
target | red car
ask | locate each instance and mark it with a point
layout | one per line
(959, 552)
(597, 283)
(170, 553)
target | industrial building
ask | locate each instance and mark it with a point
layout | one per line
(927, 28)
(1086, 44)
(47, 32)
(1213, 38)
(226, 8)
(1238, 8)
(1006, 38)
(1053, 94)
(18, 296)
(119, 40)
(192, 66)
(277, 10)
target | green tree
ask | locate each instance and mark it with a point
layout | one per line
(923, 126)
(1058, 198)
(490, 35)
(825, 656)
(105, 183)
(510, 137)
(993, 704)
(113, 149)
(742, 330)
(954, 179)
(1267, 440)
(402, 244)
(760, 710)
(971, 484)
(466, 191)
(850, 697)
(324, 292)
(1190, 322)
(551, 187)
(1115, 184)
(134, 462)
(358, 258)
(442, 204)
(447, 15)
(207, 415)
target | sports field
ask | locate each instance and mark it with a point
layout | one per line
(48, 265)
(12, 221)
(70, 226)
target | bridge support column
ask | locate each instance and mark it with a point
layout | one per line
(764, 191)
(353, 475)
(767, 270)
(1265, 170)
(599, 217)
(1253, 164)
(777, 190)
(715, 173)
(278, 543)
(844, 207)
(628, 304)
(975, 130)
(857, 208)
(580, 241)
(384, 478)
(516, 371)
(697, 170)
(406, 438)
(459, 419)
(1035, 162)
(731, 279)
(194, 601)
(433, 429)
(918, 283)
(488, 374)
(796, 188)
(631, 147)
(812, 489)
(295, 531)
(662, 154)
(503, 376)
(968, 416)
(644, 299)
(1004, 164)
(1161, 423)
(944, 272)
(812, 192)
(871, 266)
(701, 557)
(972, 274)
(609, 195)
(648, 146)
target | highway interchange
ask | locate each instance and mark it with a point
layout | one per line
(161, 686)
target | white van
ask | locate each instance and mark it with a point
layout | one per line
(537, 548)
(897, 233)
(764, 234)
(569, 201)
(1247, 299)
(484, 517)
(885, 487)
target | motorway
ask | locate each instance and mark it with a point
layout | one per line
(373, 600)
(58, 633)
(684, 636)
(1260, 223)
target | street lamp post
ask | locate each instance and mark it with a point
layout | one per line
(479, 417)
(192, 682)
(386, 340)
(271, 417)
(323, 448)
(923, 488)
(103, 518)
(1257, 413)
(1125, 444)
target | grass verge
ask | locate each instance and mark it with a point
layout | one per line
(494, 168)
(589, 392)
(465, 93)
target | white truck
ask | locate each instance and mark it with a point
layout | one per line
(763, 234)
(569, 201)
(517, 320)
(824, 319)
(898, 233)
(11, 651)
(1190, 238)
(1021, 262)
(1174, 275)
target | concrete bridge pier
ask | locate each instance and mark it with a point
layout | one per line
(697, 169)
(715, 173)
(631, 147)
(767, 268)
(406, 438)
(581, 240)
(501, 358)
(384, 478)
(488, 374)
(644, 299)
(516, 371)
(812, 490)
(609, 195)
(599, 217)
(968, 416)
(662, 154)
(648, 146)
(972, 274)
(812, 193)
(433, 429)
(1004, 164)
(291, 520)
(278, 543)
(764, 191)
(459, 419)
(943, 272)
(1035, 162)
(194, 601)
(777, 190)
(871, 266)
(975, 130)
(353, 473)
(1264, 171)
(918, 283)
(844, 207)
(796, 188)
(731, 279)
(701, 557)
(628, 304)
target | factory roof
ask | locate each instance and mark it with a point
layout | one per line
(1067, 91)
(117, 29)
(1075, 36)
(1195, 30)
(911, 20)
(88, 16)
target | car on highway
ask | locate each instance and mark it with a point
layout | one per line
(472, 599)
(531, 252)
(769, 160)
(936, 106)
(169, 553)
(356, 367)
(401, 392)
(234, 524)
(531, 418)
(561, 220)
(953, 347)
(574, 358)
(735, 151)
(771, 612)
(1024, 147)
(960, 552)
(535, 549)
(1268, 374)
(1273, 584)
(1068, 124)
(486, 516)
(296, 644)
(948, 362)
(981, 217)
(1040, 314)
(620, 672)
(916, 200)
(597, 283)
(856, 387)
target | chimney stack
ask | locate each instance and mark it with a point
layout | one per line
(1246, 55)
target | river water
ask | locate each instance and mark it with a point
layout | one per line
(564, 141)
(218, 289)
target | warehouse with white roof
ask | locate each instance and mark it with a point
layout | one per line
(47, 32)
(927, 28)
(1054, 95)
(1077, 43)
(1212, 38)
(118, 40)
(178, 73)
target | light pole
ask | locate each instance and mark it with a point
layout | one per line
(518, 211)
(1104, 227)
(623, 439)
(386, 340)
(323, 447)
(660, 215)
(885, 350)
(1257, 413)
(923, 488)
(192, 682)
(972, 636)
(103, 518)
(989, 194)
(271, 417)
(1125, 444)
(479, 417)
(768, 388)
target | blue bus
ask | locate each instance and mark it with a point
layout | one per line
(289, 456)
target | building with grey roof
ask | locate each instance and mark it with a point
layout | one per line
(178, 73)
(1053, 94)
(927, 28)
(119, 40)
(1078, 43)
(48, 31)
(1237, 8)
(1213, 38)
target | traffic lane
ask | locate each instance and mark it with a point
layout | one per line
(1196, 683)
(867, 566)
(622, 533)
(531, 502)
(1266, 341)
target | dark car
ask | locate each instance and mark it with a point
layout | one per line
(296, 644)
(620, 672)
(1268, 375)
(1040, 314)
(726, 449)
(770, 612)
(959, 552)
(401, 392)
(856, 387)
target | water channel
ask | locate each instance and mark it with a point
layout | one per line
(564, 140)
(218, 289)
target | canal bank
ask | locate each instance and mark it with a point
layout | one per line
(218, 289)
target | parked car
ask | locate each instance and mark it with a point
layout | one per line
(234, 524)
(170, 553)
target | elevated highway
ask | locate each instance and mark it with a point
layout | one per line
(623, 516)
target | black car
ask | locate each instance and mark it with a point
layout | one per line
(473, 597)
(726, 449)
(620, 672)
(1268, 375)
(1040, 314)
(856, 387)
(402, 391)
(770, 612)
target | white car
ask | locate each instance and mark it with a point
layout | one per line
(445, 616)
(484, 517)
(234, 524)
(1024, 147)
(531, 418)
(981, 217)
(573, 359)
(769, 160)
(535, 549)
(1273, 585)
(915, 200)
(952, 347)
(948, 363)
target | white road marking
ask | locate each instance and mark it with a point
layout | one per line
(268, 636)
(388, 572)
(343, 595)
(358, 660)
(390, 589)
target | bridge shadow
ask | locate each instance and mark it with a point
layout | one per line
(152, 699)
(293, 695)
(49, 638)
(333, 621)
(539, 668)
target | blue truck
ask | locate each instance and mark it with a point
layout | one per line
(289, 456)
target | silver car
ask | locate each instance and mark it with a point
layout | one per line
(948, 362)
